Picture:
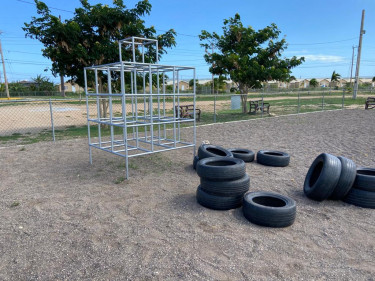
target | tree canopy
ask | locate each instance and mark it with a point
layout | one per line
(247, 56)
(314, 83)
(90, 36)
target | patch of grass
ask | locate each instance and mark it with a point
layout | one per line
(15, 204)
(119, 180)
(23, 149)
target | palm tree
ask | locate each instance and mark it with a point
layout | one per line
(335, 76)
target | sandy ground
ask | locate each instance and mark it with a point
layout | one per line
(80, 222)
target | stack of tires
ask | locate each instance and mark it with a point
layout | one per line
(337, 178)
(362, 193)
(223, 178)
(223, 182)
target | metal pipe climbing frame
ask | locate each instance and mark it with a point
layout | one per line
(141, 117)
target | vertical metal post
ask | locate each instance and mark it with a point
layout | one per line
(151, 108)
(195, 118)
(174, 106)
(164, 114)
(178, 105)
(299, 103)
(52, 124)
(88, 116)
(110, 104)
(214, 108)
(125, 128)
(323, 101)
(136, 107)
(98, 107)
(262, 104)
(343, 99)
(158, 92)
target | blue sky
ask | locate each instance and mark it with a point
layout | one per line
(323, 31)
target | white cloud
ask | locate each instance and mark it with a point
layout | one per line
(324, 58)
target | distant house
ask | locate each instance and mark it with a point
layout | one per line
(182, 85)
(71, 87)
(324, 83)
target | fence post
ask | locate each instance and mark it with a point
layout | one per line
(299, 105)
(343, 99)
(214, 108)
(262, 105)
(323, 101)
(53, 126)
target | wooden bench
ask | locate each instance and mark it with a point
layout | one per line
(187, 111)
(370, 103)
(257, 105)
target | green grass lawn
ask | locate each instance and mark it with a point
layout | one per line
(224, 114)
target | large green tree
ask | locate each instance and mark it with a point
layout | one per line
(90, 37)
(247, 56)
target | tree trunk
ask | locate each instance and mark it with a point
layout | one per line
(244, 91)
(103, 107)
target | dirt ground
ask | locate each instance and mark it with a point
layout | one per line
(62, 219)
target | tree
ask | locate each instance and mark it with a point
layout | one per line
(90, 37)
(314, 83)
(335, 76)
(42, 84)
(247, 56)
(373, 79)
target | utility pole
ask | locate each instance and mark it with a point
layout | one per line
(5, 74)
(351, 68)
(62, 83)
(359, 56)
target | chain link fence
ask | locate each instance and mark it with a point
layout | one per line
(49, 119)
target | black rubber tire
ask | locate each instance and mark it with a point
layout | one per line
(195, 161)
(221, 168)
(322, 177)
(365, 179)
(346, 180)
(244, 154)
(273, 158)
(361, 198)
(269, 209)
(209, 150)
(216, 202)
(226, 188)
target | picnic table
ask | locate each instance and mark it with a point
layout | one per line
(370, 101)
(187, 111)
(258, 105)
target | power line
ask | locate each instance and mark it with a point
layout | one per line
(57, 9)
(322, 43)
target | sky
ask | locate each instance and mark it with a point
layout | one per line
(322, 31)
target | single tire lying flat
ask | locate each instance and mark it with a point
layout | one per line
(365, 179)
(361, 198)
(269, 209)
(322, 177)
(226, 188)
(244, 154)
(195, 161)
(221, 168)
(346, 180)
(209, 150)
(273, 158)
(216, 202)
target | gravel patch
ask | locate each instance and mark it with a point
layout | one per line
(61, 218)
